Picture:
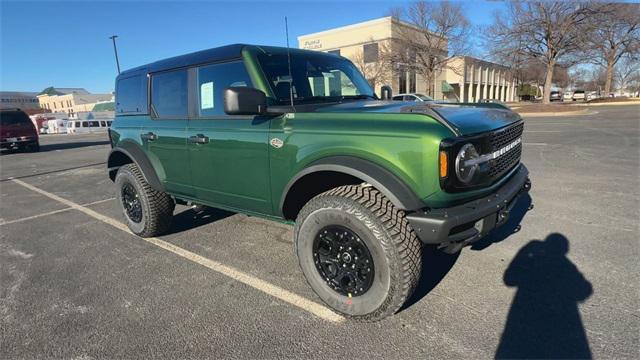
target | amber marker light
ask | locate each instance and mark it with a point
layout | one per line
(444, 165)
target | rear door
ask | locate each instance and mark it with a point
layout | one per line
(164, 136)
(228, 154)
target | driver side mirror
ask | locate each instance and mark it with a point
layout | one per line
(385, 92)
(243, 100)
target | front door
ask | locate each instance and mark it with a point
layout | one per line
(165, 135)
(228, 154)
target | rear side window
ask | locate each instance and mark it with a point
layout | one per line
(169, 93)
(213, 80)
(14, 118)
(131, 95)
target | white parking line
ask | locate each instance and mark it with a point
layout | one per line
(51, 212)
(275, 291)
(34, 216)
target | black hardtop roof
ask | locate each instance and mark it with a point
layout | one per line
(222, 53)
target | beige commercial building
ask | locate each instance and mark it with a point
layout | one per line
(18, 99)
(474, 80)
(464, 78)
(70, 100)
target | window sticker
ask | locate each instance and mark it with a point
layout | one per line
(206, 95)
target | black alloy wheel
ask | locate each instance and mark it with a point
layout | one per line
(131, 203)
(343, 260)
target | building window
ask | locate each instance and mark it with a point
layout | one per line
(402, 80)
(370, 52)
(412, 81)
(334, 52)
(169, 93)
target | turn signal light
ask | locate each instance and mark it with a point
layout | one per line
(444, 165)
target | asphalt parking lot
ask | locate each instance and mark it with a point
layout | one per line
(558, 281)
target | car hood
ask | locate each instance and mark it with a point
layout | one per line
(464, 118)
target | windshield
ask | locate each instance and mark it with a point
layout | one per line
(13, 118)
(316, 78)
(424, 97)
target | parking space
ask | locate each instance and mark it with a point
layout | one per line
(73, 284)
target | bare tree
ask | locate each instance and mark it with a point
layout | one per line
(616, 34)
(628, 73)
(549, 31)
(429, 35)
(379, 72)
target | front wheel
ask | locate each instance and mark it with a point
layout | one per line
(148, 212)
(358, 252)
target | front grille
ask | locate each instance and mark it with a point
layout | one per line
(503, 137)
(511, 158)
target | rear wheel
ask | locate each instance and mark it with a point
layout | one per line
(148, 212)
(357, 252)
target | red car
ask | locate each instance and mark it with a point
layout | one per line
(17, 131)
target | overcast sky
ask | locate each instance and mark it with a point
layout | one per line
(66, 44)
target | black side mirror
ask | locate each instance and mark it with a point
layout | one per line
(385, 92)
(243, 100)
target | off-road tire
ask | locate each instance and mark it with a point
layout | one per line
(157, 206)
(396, 251)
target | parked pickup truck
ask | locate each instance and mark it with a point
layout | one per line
(299, 136)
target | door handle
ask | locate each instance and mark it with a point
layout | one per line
(199, 139)
(149, 136)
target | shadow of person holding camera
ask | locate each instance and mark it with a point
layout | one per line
(544, 320)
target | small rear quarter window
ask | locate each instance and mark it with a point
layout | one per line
(131, 95)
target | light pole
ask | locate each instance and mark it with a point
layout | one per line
(115, 50)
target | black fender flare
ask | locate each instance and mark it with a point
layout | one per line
(137, 155)
(394, 188)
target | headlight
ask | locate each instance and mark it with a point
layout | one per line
(465, 169)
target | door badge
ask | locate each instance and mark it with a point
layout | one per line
(276, 143)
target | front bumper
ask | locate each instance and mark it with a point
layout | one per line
(460, 225)
(17, 141)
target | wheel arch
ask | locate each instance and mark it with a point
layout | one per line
(130, 153)
(336, 171)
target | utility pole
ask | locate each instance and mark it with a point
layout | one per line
(115, 50)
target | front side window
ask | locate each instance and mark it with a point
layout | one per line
(169, 93)
(213, 80)
(314, 78)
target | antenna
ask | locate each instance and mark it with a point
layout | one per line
(286, 27)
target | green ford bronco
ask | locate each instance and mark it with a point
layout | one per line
(300, 137)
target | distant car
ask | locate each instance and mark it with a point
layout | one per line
(412, 97)
(555, 96)
(567, 95)
(592, 95)
(578, 95)
(17, 131)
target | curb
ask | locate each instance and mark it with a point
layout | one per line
(564, 113)
(615, 103)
